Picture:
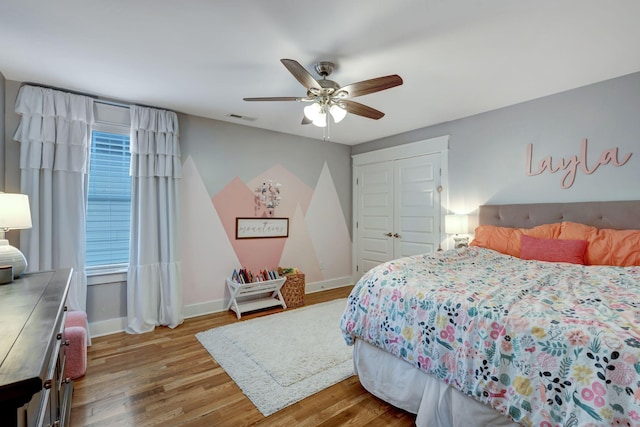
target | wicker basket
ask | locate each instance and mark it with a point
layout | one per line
(293, 290)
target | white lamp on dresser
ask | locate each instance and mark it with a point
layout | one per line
(14, 214)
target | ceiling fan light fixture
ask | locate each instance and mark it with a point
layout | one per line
(337, 112)
(320, 120)
(313, 111)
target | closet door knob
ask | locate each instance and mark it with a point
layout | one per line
(388, 234)
(396, 235)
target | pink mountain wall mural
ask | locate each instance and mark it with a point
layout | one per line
(299, 251)
(294, 191)
(328, 229)
(318, 244)
(206, 252)
(237, 200)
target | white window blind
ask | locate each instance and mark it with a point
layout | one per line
(109, 201)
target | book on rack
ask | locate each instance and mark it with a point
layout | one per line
(235, 276)
(244, 275)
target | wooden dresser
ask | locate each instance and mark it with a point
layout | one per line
(33, 390)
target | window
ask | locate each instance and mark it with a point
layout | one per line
(109, 201)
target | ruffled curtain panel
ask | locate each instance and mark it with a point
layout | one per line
(154, 287)
(55, 136)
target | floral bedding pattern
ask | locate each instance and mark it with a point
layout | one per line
(547, 344)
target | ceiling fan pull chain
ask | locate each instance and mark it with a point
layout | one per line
(325, 131)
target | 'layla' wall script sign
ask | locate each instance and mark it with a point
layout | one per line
(571, 164)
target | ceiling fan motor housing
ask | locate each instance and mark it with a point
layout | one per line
(325, 68)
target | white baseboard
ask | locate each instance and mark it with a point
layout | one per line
(202, 308)
(112, 326)
(328, 284)
(107, 327)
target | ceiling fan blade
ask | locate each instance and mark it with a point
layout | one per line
(274, 98)
(370, 86)
(302, 75)
(362, 110)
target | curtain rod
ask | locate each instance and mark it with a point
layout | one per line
(95, 97)
(114, 103)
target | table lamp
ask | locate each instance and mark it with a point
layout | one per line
(457, 224)
(14, 214)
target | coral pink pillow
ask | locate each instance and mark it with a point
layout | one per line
(553, 250)
(606, 246)
(507, 240)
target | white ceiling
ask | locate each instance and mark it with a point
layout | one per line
(457, 57)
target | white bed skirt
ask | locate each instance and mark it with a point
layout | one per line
(434, 403)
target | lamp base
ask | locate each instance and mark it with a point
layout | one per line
(6, 274)
(461, 242)
(12, 256)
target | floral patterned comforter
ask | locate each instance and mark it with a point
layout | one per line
(548, 344)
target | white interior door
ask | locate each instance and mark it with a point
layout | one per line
(416, 205)
(375, 215)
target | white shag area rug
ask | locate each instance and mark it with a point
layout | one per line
(282, 358)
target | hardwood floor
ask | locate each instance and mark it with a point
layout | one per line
(167, 378)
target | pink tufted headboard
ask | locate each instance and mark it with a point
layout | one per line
(619, 215)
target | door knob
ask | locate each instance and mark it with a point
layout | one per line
(388, 234)
(396, 235)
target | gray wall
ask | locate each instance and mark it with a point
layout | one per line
(487, 158)
(12, 149)
(2, 136)
(9, 175)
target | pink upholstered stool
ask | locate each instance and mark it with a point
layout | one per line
(75, 331)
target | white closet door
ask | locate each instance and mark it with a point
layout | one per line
(416, 205)
(398, 191)
(375, 215)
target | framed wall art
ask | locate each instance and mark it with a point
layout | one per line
(261, 228)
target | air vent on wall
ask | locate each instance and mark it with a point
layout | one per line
(238, 116)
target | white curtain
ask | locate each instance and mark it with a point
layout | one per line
(154, 286)
(55, 137)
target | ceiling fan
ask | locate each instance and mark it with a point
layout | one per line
(328, 98)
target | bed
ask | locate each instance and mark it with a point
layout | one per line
(481, 337)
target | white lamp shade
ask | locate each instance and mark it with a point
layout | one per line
(456, 224)
(14, 211)
(312, 111)
(14, 214)
(338, 113)
(321, 120)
